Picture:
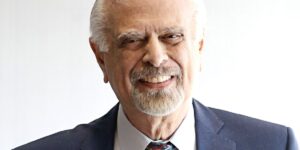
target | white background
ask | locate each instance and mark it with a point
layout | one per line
(50, 81)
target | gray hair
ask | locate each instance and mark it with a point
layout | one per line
(99, 20)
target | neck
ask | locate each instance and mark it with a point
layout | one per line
(157, 127)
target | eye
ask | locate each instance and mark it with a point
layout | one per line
(172, 36)
(130, 43)
(172, 39)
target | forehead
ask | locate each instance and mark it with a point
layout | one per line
(148, 14)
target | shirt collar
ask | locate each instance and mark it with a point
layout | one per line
(185, 137)
(129, 138)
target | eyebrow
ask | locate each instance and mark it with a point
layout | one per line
(171, 30)
(129, 35)
(138, 35)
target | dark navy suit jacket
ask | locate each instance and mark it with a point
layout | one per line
(215, 130)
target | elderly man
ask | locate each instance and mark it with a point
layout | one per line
(150, 51)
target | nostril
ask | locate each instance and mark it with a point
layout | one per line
(155, 60)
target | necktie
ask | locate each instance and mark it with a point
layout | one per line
(160, 146)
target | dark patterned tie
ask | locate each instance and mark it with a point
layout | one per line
(160, 146)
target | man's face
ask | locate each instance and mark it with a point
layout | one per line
(153, 54)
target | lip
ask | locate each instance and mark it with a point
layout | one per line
(159, 85)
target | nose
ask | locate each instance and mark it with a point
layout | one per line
(156, 53)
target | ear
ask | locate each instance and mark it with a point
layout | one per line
(201, 43)
(201, 47)
(100, 58)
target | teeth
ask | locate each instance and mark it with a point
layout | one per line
(157, 79)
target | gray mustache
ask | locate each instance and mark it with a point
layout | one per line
(150, 71)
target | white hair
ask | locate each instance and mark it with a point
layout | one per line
(200, 19)
(99, 23)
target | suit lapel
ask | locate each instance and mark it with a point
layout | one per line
(208, 126)
(102, 133)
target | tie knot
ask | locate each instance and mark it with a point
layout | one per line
(161, 146)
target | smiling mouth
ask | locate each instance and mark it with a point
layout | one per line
(157, 79)
(157, 82)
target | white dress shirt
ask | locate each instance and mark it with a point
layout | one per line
(129, 138)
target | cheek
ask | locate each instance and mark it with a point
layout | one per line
(189, 61)
(128, 61)
(117, 71)
(184, 58)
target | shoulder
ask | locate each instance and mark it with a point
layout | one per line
(75, 138)
(247, 130)
(68, 139)
(233, 120)
(237, 122)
